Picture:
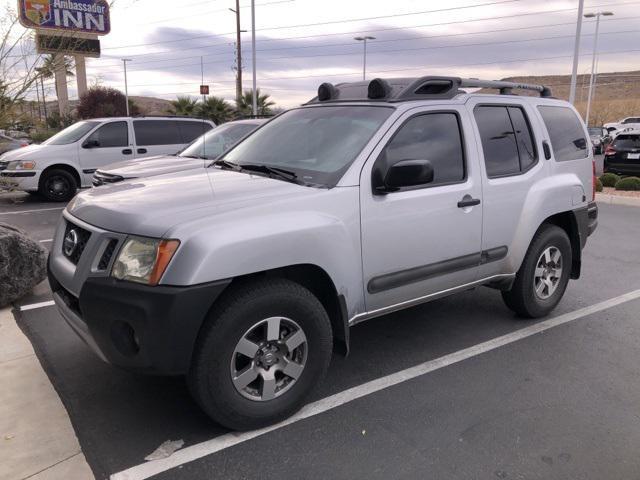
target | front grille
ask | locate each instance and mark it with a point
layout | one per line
(70, 300)
(74, 245)
(101, 178)
(103, 264)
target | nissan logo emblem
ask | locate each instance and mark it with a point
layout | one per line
(70, 243)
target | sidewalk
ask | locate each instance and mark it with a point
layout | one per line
(618, 199)
(36, 438)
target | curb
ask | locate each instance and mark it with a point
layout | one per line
(618, 200)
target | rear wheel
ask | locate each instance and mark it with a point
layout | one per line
(57, 185)
(266, 346)
(543, 277)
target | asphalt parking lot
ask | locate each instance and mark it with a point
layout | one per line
(560, 403)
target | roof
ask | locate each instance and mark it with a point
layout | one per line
(149, 117)
(422, 88)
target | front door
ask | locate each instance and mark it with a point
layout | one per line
(108, 144)
(422, 240)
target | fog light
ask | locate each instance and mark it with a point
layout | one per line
(125, 339)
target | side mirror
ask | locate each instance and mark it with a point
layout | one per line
(407, 173)
(91, 144)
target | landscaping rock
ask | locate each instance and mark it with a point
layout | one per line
(23, 264)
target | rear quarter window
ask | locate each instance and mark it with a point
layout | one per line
(566, 133)
(189, 131)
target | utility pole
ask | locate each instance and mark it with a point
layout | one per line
(238, 54)
(253, 55)
(126, 86)
(576, 53)
(364, 66)
(597, 16)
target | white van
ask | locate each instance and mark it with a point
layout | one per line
(65, 162)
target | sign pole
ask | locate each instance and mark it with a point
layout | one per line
(81, 75)
(61, 84)
(253, 47)
(126, 86)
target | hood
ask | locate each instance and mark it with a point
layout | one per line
(33, 152)
(151, 206)
(151, 166)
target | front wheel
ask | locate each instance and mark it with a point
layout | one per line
(266, 346)
(543, 277)
(57, 185)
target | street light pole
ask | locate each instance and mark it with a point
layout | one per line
(126, 86)
(253, 56)
(597, 16)
(576, 53)
(364, 66)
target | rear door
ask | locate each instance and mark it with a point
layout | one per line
(157, 137)
(109, 143)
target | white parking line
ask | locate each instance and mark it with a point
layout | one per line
(47, 241)
(223, 442)
(32, 211)
(33, 306)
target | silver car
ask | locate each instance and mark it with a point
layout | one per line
(198, 154)
(373, 197)
(8, 143)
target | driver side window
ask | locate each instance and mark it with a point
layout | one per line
(432, 136)
(114, 134)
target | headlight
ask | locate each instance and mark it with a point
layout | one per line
(21, 165)
(144, 260)
(596, 141)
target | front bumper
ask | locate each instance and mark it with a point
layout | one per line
(23, 180)
(138, 327)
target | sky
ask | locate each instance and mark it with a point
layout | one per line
(303, 43)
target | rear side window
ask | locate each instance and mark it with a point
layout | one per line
(435, 137)
(189, 131)
(566, 133)
(157, 132)
(507, 142)
(114, 134)
(631, 120)
(627, 141)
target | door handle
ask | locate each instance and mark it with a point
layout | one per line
(142, 150)
(468, 201)
(127, 151)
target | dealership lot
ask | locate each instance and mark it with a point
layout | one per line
(558, 404)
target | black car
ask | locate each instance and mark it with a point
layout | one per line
(622, 156)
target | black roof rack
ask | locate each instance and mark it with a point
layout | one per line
(423, 88)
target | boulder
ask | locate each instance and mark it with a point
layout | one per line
(23, 264)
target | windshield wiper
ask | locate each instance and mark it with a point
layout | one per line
(276, 171)
(200, 157)
(226, 164)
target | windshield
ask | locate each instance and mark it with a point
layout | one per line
(627, 141)
(316, 144)
(71, 134)
(217, 141)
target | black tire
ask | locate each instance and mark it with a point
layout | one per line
(523, 298)
(210, 379)
(57, 185)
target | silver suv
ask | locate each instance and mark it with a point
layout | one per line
(373, 197)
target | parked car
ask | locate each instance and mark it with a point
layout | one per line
(197, 155)
(7, 143)
(373, 197)
(65, 162)
(626, 124)
(622, 156)
(599, 137)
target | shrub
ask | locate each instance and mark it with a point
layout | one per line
(42, 135)
(609, 179)
(628, 184)
(598, 185)
(104, 102)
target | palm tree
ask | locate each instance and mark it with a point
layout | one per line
(216, 109)
(184, 106)
(48, 68)
(245, 106)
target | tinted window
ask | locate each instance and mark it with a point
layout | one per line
(192, 130)
(114, 134)
(524, 139)
(435, 137)
(566, 133)
(627, 141)
(498, 141)
(631, 120)
(71, 134)
(157, 132)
